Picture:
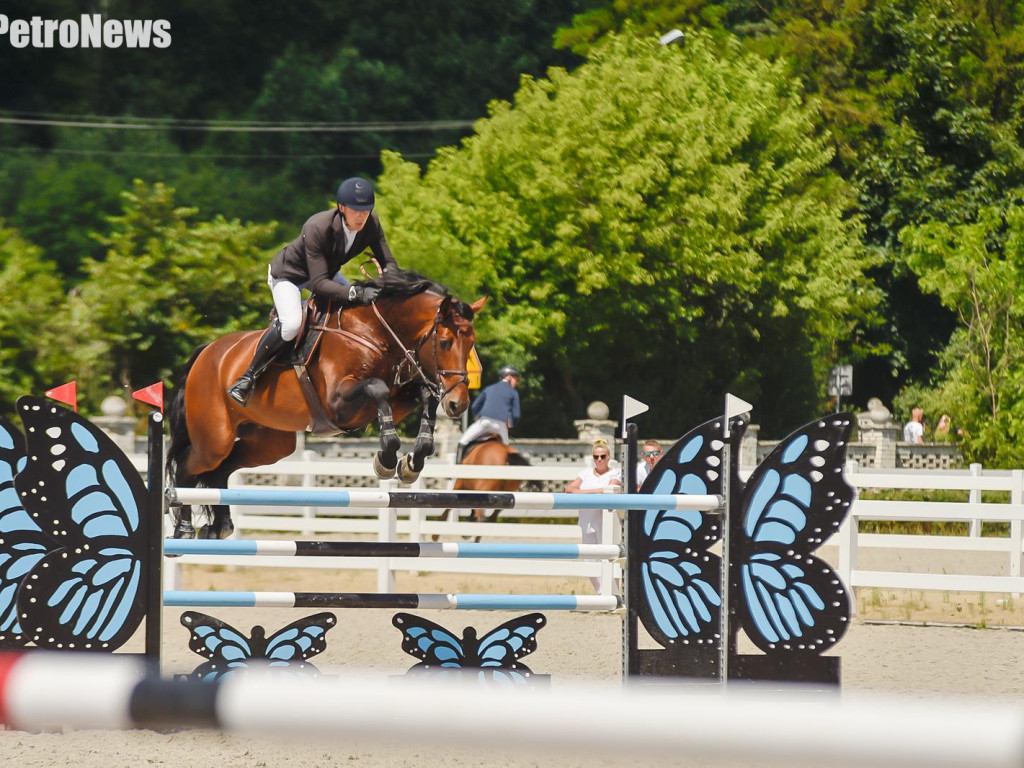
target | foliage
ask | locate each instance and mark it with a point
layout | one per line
(658, 220)
(921, 100)
(977, 270)
(167, 283)
(33, 321)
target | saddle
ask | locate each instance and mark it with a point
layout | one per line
(513, 457)
(315, 313)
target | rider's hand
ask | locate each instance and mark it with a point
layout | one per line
(363, 294)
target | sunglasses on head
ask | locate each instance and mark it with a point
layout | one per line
(599, 456)
(652, 453)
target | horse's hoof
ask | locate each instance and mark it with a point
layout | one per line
(382, 472)
(183, 530)
(223, 531)
(406, 474)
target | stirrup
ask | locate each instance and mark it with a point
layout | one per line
(240, 392)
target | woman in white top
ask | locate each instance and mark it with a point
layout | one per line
(595, 481)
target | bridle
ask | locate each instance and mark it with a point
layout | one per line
(435, 385)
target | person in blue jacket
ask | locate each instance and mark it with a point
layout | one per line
(496, 409)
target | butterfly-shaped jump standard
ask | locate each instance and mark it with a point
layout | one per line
(789, 601)
(22, 542)
(230, 651)
(73, 540)
(495, 656)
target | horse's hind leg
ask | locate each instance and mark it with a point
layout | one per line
(257, 446)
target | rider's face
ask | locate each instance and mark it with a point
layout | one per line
(354, 220)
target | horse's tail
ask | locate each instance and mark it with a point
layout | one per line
(180, 443)
(516, 459)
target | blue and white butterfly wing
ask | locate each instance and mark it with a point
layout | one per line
(504, 677)
(680, 580)
(22, 543)
(795, 500)
(226, 648)
(81, 490)
(434, 645)
(299, 641)
(505, 645)
(217, 669)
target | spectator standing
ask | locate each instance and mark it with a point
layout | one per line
(913, 431)
(649, 457)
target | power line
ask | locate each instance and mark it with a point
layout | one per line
(204, 156)
(245, 127)
(204, 122)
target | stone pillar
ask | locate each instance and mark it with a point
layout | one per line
(876, 427)
(748, 447)
(115, 424)
(447, 432)
(597, 424)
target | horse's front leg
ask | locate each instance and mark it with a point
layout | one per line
(412, 464)
(386, 460)
(181, 517)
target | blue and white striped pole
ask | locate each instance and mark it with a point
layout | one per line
(296, 497)
(251, 547)
(430, 601)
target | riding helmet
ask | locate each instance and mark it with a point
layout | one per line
(509, 370)
(356, 193)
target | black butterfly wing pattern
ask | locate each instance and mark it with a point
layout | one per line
(796, 498)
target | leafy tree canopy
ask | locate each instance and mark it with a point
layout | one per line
(167, 284)
(662, 219)
(33, 321)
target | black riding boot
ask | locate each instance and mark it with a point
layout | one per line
(460, 451)
(266, 350)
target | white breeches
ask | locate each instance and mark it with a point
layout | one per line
(288, 303)
(483, 426)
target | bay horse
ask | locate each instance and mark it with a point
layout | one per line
(374, 362)
(490, 451)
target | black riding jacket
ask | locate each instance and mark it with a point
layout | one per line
(315, 256)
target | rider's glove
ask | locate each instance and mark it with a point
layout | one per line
(363, 294)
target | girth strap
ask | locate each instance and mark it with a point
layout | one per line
(321, 423)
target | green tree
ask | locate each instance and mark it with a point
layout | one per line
(659, 220)
(33, 322)
(167, 284)
(977, 271)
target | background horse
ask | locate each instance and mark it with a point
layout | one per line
(490, 452)
(376, 361)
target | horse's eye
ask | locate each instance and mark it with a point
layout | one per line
(446, 344)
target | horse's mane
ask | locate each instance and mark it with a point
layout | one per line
(400, 283)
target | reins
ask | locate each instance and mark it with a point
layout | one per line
(436, 387)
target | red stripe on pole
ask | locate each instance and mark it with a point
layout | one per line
(8, 661)
(152, 395)
(65, 393)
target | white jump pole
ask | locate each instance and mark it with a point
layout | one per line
(52, 690)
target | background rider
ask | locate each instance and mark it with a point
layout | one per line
(496, 409)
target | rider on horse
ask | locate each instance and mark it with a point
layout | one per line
(329, 239)
(496, 409)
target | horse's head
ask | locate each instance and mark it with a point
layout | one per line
(447, 355)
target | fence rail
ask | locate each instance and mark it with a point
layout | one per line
(423, 524)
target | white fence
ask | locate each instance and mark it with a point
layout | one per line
(971, 511)
(422, 524)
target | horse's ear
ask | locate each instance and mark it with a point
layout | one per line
(446, 307)
(477, 305)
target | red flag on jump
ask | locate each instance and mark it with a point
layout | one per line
(65, 393)
(153, 395)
